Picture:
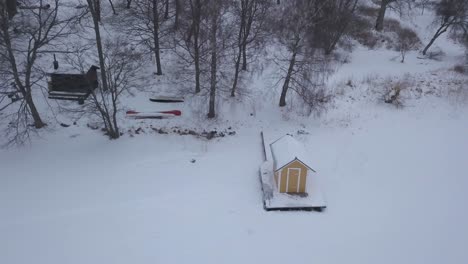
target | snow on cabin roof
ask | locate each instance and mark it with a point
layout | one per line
(285, 150)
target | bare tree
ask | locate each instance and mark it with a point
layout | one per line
(155, 29)
(332, 22)
(22, 42)
(304, 70)
(215, 15)
(407, 40)
(423, 4)
(97, 8)
(149, 28)
(292, 30)
(203, 41)
(112, 6)
(450, 14)
(251, 17)
(381, 15)
(166, 9)
(177, 7)
(129, 4)
(94, 7)
(122, 64)
(193, 35)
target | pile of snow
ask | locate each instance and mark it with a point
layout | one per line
(286, 149)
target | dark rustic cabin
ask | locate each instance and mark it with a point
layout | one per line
(10, 6)
(75, 87)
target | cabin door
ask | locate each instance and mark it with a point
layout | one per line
(293, 180)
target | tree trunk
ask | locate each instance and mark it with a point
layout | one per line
(11, 8)
(129, 3)
(99, 44)
(197, 62)
(112, 6)
(34, 113)
(166, 12)
(381, 15)
(214, 58)
(292, 63)
(156, 37)
(443, 28)
(240, 42)
(176, 16)
(98, 10)
(236, 73)
(244, 57)
(195, 33)
(247, 17)
(25, 90)
(115, 129)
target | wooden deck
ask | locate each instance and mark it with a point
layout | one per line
(276, 201)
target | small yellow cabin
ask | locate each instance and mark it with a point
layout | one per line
(289, 165)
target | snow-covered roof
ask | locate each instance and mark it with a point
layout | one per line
(285, 150)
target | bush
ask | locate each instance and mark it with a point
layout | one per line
(407, 40)
(368, 11)
(392, 25)
(435, 54)
(316, 100)
(392, 93)
(460, 69)
(361, 31)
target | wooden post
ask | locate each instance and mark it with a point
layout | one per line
(264, 147)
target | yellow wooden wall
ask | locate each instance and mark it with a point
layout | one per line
(293, 179)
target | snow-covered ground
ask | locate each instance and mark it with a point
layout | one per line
(395, 180)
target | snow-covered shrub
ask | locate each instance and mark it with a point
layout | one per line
(317, 99)
(361, 31)
(407, 40)
(460, 69)
(458, 93)
(394, 36)
(392, 25)
(435, 54)
(393, 89)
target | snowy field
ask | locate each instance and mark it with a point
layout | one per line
(395, 179)
(395, 182)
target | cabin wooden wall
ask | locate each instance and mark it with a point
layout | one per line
(10, 6)
(291, 186)
(92, 76)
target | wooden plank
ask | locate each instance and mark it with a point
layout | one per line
(273, 200)
(167, 99)
(308, 209)
(266, 196)
(66, 98)
(263, 144)
(60, 93)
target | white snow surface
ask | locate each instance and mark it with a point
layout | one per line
(396, 185)
(396, 180)
(285, 150)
